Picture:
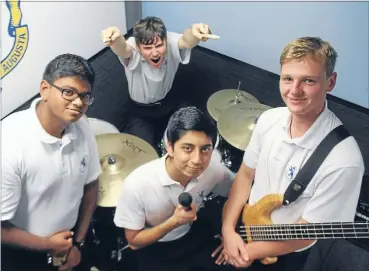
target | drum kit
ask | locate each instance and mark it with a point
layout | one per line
(119, 155)
(236, 113)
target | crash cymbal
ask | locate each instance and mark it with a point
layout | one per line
(223, 99)
(237, 123)
(119, 155)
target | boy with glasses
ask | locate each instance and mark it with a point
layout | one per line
(49, 171)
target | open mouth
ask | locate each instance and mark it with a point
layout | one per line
(156, 60)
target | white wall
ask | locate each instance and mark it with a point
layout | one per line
(256, 33)
(55, 27)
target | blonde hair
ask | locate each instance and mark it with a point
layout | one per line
(311, 46)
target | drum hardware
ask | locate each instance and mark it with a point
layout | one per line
(238, 95)
(119, 256)
(231, 157)
(237, 123)
(56, 261)
(223, 99)
(211, 197)
(119, 155)
(163, 144)
(106, 241)
(226, 158)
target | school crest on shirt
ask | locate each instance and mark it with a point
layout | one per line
(200, 196)
(83, 164)
(291, 172)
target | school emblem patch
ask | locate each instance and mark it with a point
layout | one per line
(291, 172)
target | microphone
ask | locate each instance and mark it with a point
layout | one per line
(185, 199)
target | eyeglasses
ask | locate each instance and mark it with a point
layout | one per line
(72, 95)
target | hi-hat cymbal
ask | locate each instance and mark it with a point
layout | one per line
(119, 155)
(223, 99)
(237, 123)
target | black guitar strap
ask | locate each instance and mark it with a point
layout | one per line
(307, 172)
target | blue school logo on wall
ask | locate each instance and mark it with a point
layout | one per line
(20, 35)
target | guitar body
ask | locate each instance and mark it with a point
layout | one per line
(259, 214)
(257, 226)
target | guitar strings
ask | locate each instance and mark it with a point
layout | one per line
(288, 237)
(355, 230)
(304, 233)
(312, 224)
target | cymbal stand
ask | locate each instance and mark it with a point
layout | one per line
(238, 95)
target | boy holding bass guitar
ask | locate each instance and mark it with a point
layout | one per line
(281, 144)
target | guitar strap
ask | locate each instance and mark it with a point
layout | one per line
(307, 172)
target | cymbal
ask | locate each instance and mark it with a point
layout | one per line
(119, 155)
(237, 123)
(223, 99)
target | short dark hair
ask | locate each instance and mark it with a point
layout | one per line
(147, 29)
(68, 65)
(190, 119)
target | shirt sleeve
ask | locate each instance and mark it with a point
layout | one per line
(252, 151)
(336, 196)
(11, 172)
(94, 167)
(181, 55)
(130, 212)
(131, 63)
(223, 187)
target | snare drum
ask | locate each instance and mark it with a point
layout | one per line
(102, 127)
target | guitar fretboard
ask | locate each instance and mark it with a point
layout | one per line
(312, 231)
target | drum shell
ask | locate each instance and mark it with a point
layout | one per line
(99, 126)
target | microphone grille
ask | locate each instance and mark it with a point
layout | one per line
(185, 199)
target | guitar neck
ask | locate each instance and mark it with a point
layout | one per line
(311, 231)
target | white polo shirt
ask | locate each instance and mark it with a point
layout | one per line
(331, 195)
(43, 177)
(149, 196)
(147, 84)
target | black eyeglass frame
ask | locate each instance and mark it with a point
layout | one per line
(86, 97)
